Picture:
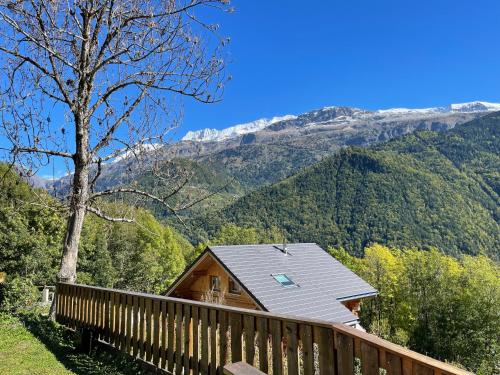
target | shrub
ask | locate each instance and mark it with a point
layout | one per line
(19, 293)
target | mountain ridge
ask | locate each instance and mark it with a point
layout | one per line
(426, 189)
(346, 113)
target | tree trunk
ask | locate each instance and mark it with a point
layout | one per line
(67, 272)
(77, 210)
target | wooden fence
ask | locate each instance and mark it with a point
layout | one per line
(189, 337)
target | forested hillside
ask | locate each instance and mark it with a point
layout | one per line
(433, 303)
(426, 189)
(143, 256)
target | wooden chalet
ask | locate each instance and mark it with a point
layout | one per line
(300, 279)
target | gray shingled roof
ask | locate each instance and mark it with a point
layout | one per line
(323, 281)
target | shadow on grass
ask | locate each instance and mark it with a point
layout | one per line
(62, 343)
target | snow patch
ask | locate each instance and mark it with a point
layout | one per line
(206, 135)
(139, 149)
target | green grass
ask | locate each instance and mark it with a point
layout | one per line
(31, 344)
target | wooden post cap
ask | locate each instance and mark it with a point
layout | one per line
(241, 368)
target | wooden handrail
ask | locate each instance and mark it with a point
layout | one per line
(197, 337)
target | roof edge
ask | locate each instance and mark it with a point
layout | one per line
(255, 299)
(356, 296)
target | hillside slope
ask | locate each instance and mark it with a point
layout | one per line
(426, 189)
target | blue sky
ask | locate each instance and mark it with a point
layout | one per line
(289, 57)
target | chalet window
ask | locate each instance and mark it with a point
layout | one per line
(283, 279)
(234, 288)
(215, 283)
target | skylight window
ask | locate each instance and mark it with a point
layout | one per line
(283, 279)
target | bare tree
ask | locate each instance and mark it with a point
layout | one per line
(112, 69)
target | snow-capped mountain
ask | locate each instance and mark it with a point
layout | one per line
(474, 107)
(205, 135)
(267, 150)
(336, 114)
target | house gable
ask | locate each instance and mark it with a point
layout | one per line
(195, 284)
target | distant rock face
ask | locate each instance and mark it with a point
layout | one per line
(336, 115)
(267, 150)
(248, 139)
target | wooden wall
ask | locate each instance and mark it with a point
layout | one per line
(197, 284)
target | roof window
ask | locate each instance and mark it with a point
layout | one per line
(283, 279)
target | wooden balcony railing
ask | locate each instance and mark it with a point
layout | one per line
(185, 337)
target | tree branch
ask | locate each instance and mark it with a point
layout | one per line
(102, 215)
(34, 150)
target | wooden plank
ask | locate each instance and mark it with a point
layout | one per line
(241, 368)
(67, 303)
(128, 327)
(76, 313)
(326, 352)
(292, 354)
(135, 326)
(407, 366)
(178, 338)
(164, 334)
(149, 337)
(393, 364)
(236, 343)
(142, 327)
(204, 341)
(382, 360)
(83, 308)
(60, 304)
(171, 330)
(88, 304)
(306, 337)
(92, 308)
(78, 306)
(123, 322)
(419, 369)
(263, 339)
(213, 341)
(357, 347)
(369, 359)
(97, 304)
(70, 306)
(72, 292)
(57, 296)
(345, 354)
(277, 347)
(187, 338)
(195, 363)
(105, 319)
(104, 303)
(111, 318)
(117, 320)
(223, 340)
(156, 332)
(249, 329)
(64, 313)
